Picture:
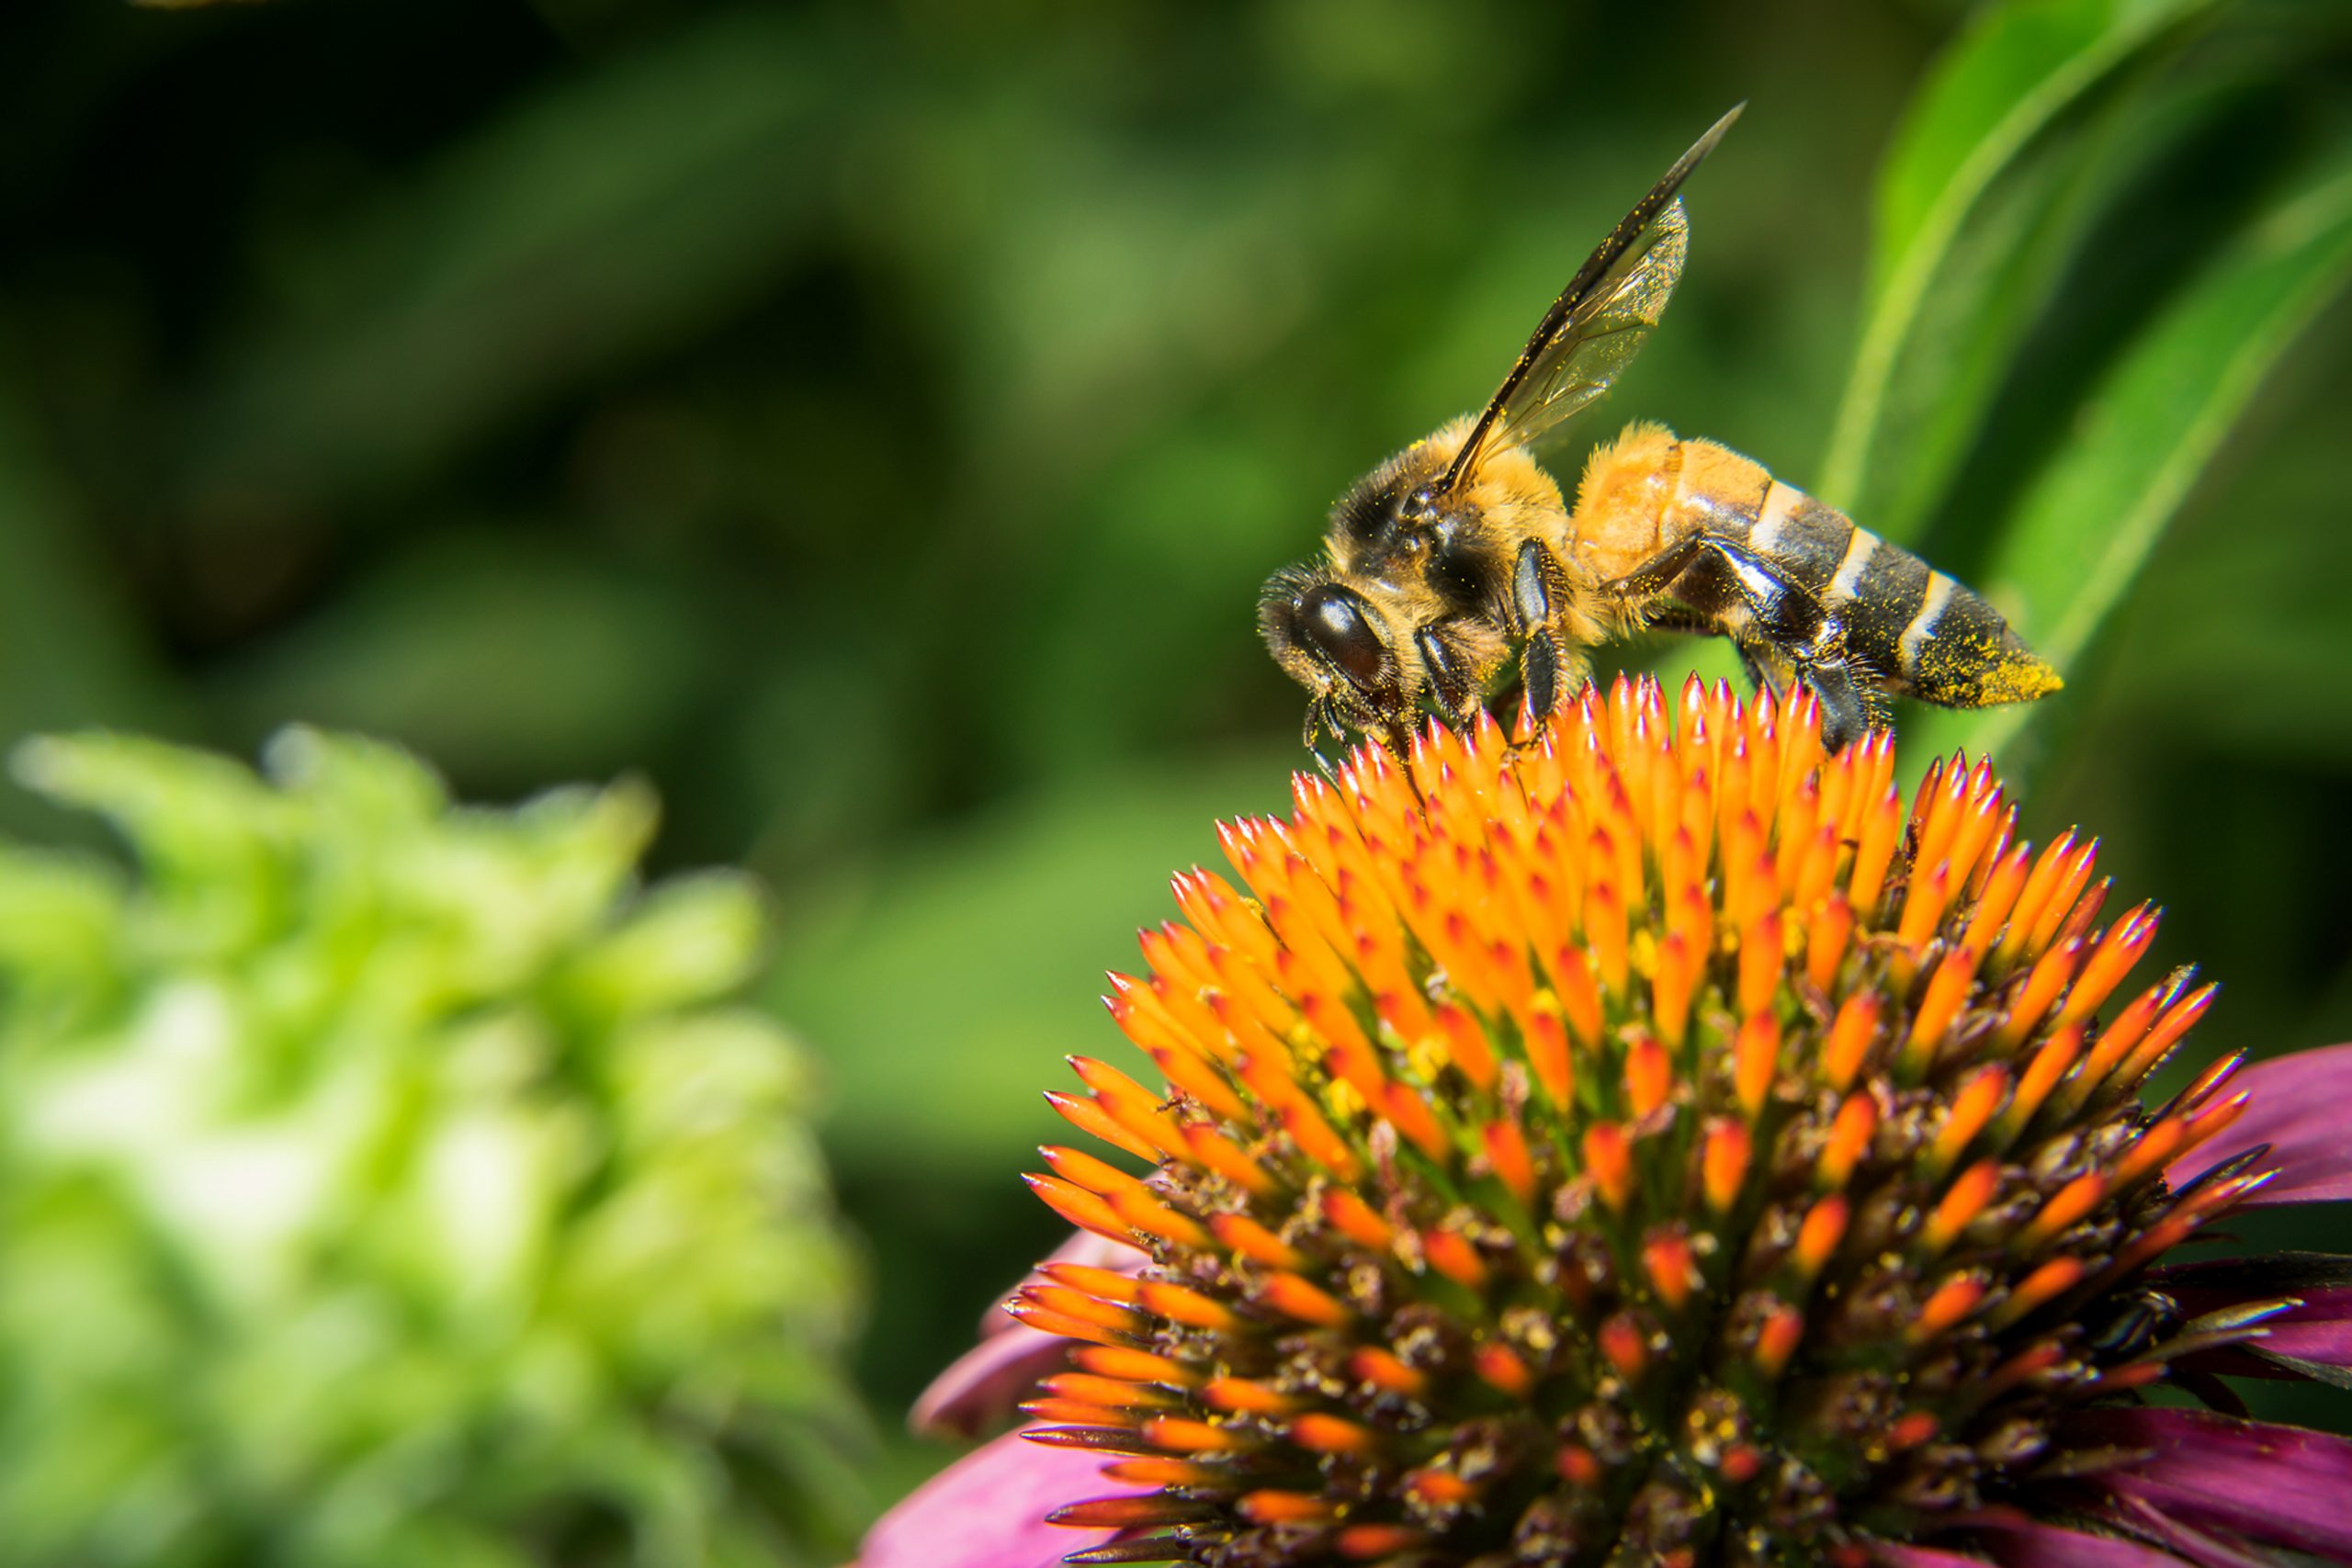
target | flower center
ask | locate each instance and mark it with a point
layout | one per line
(1650, 1142)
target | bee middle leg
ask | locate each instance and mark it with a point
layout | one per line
(1681, 620)
(1765, 670)
(1771, 621)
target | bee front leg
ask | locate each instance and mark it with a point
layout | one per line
(1448, 671)
(1319, 718)
(1548, 669)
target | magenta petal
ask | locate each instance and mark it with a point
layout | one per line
(2205, 1550)
(2280, 1485)
(982, 1389)
(988, 1510)
(2051, 1546)
(2297, 1109)
(1078, 1247)
(2318, 1329)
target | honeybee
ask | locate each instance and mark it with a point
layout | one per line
(1459, 551)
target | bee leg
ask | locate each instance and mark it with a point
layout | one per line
(1847, 710)
(1318, 716)
(1676, 620)
(1791, 631)
(1646, 585)
(1543, 664)
(1452, 682)
(1679, 620)
(1759, 678)
(1772, 622)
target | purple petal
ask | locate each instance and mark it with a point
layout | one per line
(2017, 1541)
(2280, 1485)
(2205, 1550)
(2297, 1109)
(2317, 1330)
(1078, 1247)
(2014, 1539)
(2051, 1546)
(988, 1510)
(981, 1389)
(984, 1387)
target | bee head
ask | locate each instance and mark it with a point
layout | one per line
(1335, 643)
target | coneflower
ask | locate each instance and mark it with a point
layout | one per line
(1654, 1141)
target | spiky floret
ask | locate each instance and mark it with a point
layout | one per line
(1648, 1142)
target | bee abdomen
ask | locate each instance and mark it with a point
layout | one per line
(1921, 629)
(1804, 539)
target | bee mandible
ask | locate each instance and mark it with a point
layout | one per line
(1459, 551)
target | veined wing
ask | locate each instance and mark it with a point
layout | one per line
(1597, 325)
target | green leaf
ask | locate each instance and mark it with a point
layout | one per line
(2087, 522)
(2008, 155)
(2234, 640)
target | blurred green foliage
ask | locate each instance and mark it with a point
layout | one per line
(873, 420)
(382, 1183)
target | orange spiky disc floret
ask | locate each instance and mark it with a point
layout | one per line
(1652, 1140)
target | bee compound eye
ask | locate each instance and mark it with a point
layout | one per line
(1334, 620)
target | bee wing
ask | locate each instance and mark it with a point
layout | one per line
(1599, 337)
(1597, 325)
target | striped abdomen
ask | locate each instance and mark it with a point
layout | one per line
(1911, 628)
(1920, 629)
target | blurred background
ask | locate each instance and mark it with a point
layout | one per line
(869, 423)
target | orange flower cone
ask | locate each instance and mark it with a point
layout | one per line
(1657, 1141)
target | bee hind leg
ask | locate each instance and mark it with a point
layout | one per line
(1774, 623)
(1847, 708)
